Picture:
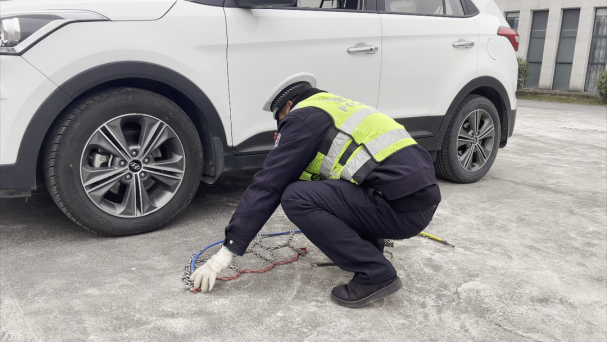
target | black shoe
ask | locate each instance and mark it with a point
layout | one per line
(355, 295)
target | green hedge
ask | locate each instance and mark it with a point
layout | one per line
(601, 85)
(523, 73)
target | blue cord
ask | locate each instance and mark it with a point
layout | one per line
(193, 264)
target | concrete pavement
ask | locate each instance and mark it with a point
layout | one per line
(530, 262)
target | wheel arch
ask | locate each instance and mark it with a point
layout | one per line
(25, 173)
(486, 86)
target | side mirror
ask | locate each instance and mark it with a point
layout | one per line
(264, 3)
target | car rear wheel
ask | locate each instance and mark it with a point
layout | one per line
(123, 161)
(471, 142)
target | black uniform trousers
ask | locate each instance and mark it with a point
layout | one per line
(349, 223)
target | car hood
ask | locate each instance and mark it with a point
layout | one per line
(112, 9)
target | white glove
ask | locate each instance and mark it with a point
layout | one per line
(208, 272)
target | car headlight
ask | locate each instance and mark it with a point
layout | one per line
(19, 32)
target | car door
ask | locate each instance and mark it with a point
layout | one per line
(429, 52)
(266, 45)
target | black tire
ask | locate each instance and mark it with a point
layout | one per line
(447, 164)
(73, 131)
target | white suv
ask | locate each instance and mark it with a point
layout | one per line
(123, 106)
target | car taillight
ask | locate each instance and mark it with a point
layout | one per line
(511, 34)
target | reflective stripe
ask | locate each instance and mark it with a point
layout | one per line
(353, 165)
(357, 117)
(336, 147)
(376, 145)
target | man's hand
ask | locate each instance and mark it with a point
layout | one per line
(208, 272)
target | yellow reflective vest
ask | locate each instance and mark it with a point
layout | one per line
(360, 140)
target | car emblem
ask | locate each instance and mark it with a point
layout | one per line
(135, 166)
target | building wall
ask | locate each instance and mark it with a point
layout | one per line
(555, 8)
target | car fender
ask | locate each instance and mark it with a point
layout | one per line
(22, 174)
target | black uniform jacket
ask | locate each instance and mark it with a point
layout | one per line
(301, 132)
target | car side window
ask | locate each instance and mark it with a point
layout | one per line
(425, 7)
(454, 8)
(332, 4)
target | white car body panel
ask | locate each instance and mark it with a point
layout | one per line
(504, 68)
(112, 9)
(415, 73)
(19, 100)
(186, 40)
(421, 71)
(268, 45)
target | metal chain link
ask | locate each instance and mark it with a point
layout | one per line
(188, 284)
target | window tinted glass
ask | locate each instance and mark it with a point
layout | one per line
(415, 6)
(453, 7)
(335, 4)
(427, 7)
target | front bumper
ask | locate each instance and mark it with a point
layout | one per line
(23, 89)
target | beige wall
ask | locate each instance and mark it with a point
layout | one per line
(555, 7)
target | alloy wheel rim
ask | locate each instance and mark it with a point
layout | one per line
(475, 140)
(132, 165)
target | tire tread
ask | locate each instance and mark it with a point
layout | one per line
(443, 167)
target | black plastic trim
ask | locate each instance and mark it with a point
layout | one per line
(209, 2)
(434, 143)
(22, 174)
(418, 127)
(511, 121)
(219, 163)
(259, 143)
(233, 162)
(422, 126)
(114, 71)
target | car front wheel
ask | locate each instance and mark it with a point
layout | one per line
(471, 142)
(123, 161)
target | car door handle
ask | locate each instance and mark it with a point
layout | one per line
(362, 49)
(463, 44)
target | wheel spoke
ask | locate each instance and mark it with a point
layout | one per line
(152, 138)
(145, 203)
(175, 165)
(463, 137)
(115, 129)
(98, 191)
(101, 140)
(466, 159)
(475, 122)
(149, 126)
(117, 190)
(483, 153)
(171, 181)
(128, 207)
(488, 131)
(474, 140)
(91, 175)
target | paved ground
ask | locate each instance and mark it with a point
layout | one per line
(530, 262)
